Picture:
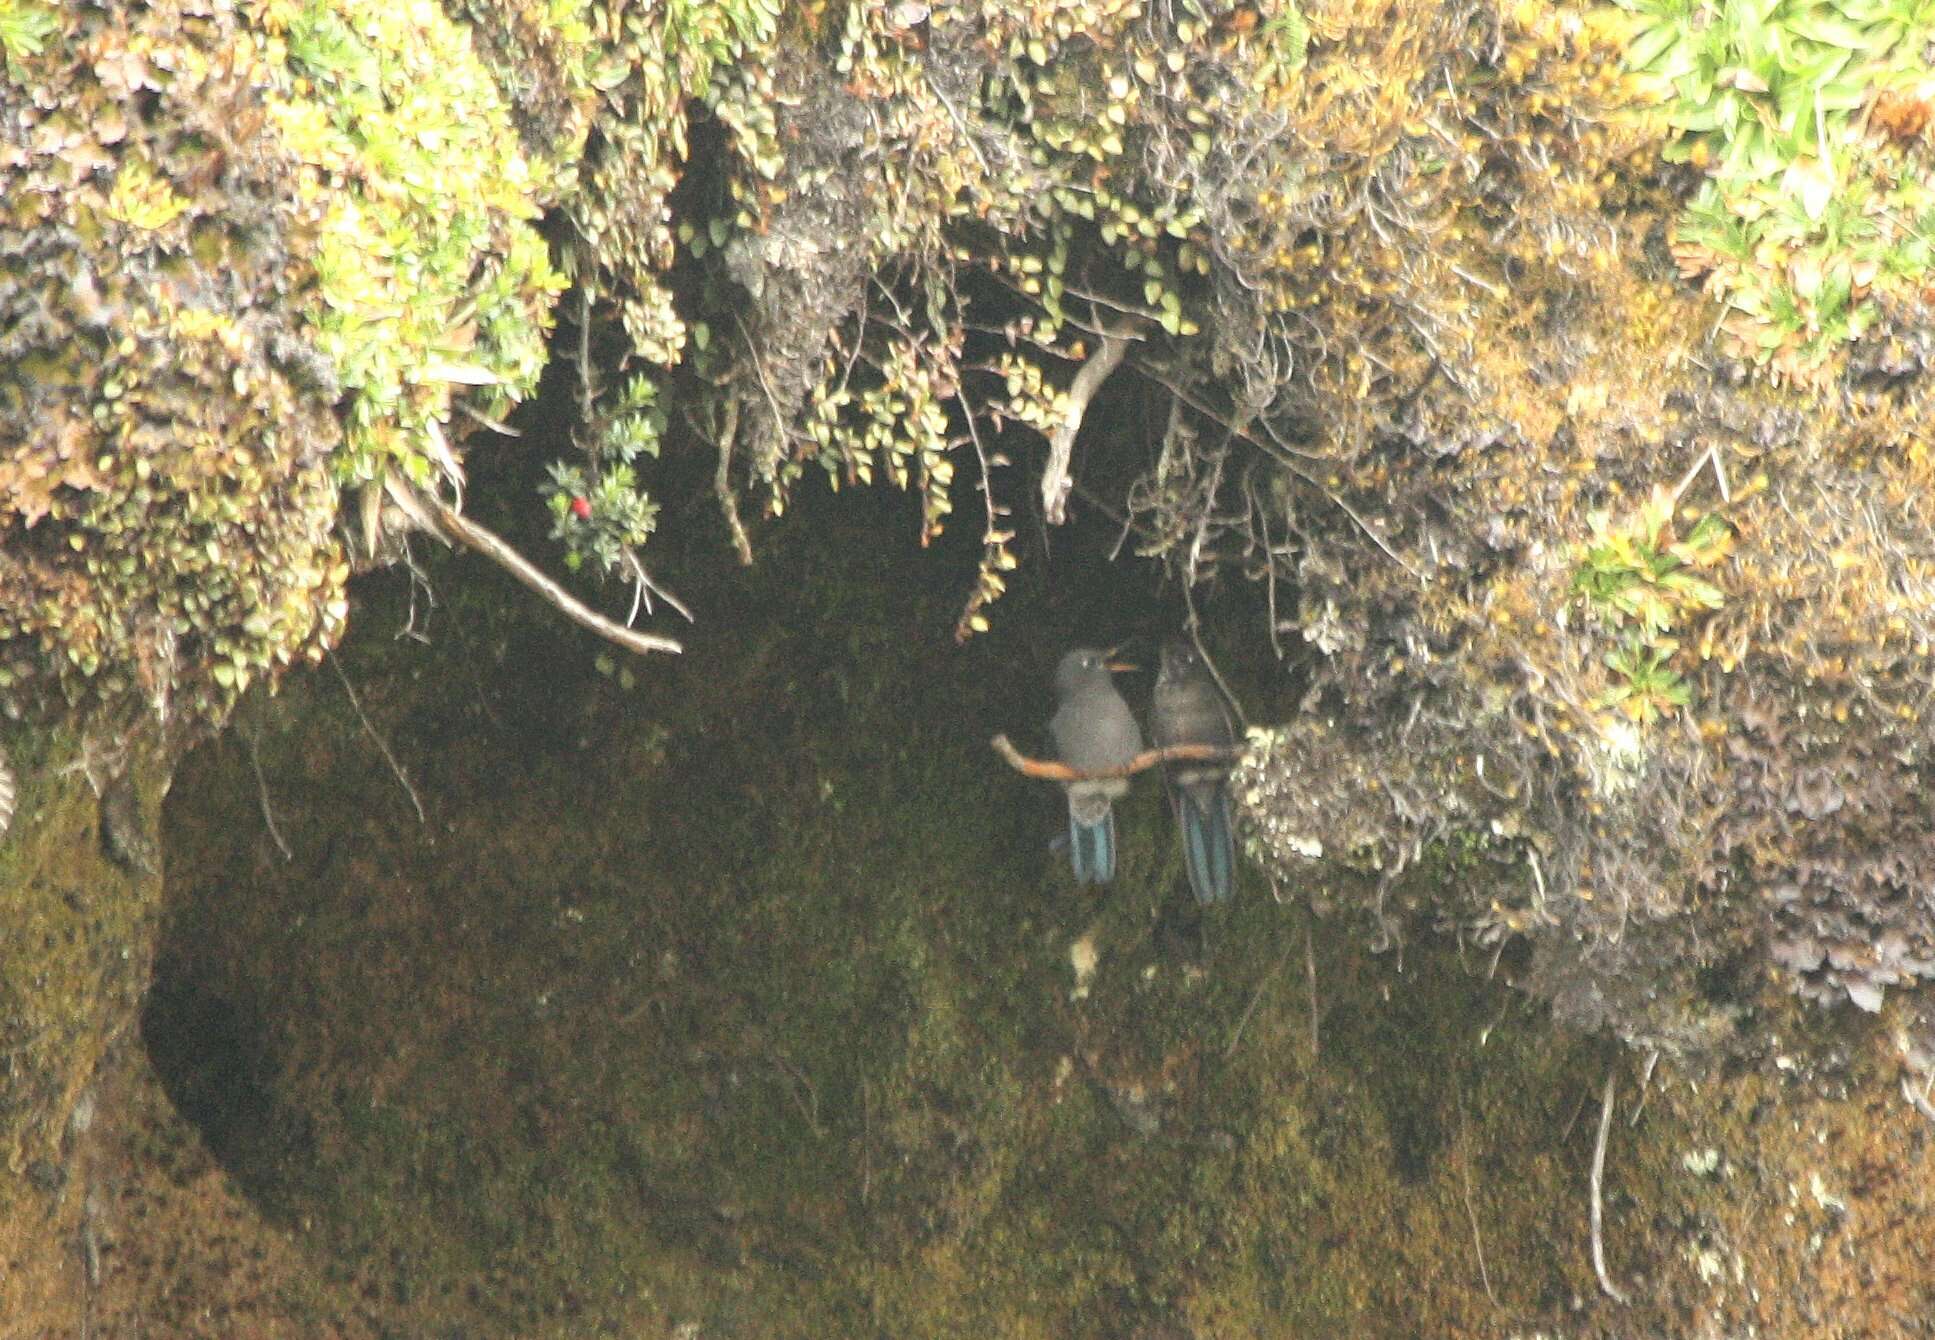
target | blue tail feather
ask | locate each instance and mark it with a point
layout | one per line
(1209, 850)
(1091, 848)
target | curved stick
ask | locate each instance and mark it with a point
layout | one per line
(1053, 771)
(434, 515)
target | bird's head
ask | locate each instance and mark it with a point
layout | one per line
(1085, 666)
(1179, 661)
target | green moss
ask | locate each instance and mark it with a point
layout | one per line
(73, 965)
(430, 274)
(1815, 214)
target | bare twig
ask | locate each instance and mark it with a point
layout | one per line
(454, 524)
(1918, 1101)
(808, 1106)
(1577, 1109)
(759, 373)
(1061, 446)
(1471, 1212)
(1310, 981)
(1053, 771)
(967, 136)
(1256, 998)
(381, 743)
(1285, 455)
(645, 588)
(1645, 1085)
(262, 797)
(1130, 526)
(1598, 1196)
(1262, 514)
(497, 426)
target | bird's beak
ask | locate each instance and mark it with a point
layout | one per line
(1119, 667)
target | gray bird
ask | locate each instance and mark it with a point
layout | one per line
(1093, 730)
(1188, 708)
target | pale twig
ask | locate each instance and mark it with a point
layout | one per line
(461, 527)
(1269, 559)
(1471, 1211)
(1598, 1193)
(646, 588)
(497, 426)
(1061, 444)
(262, 796)
(377, 736)
(1918, 1101)
(809, 1106)
(1285, 456)
(1645, 1085)
(759, 374)
(1256, 998)
(1310, 982)
(1130, 526)
(967, 136)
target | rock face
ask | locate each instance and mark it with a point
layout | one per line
(1616, 626)
(74, 963)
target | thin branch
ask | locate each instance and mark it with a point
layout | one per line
(453, 524)
(1053, 771)
(1598, 1197)
(1285, 456)
(1130, 526)
(1061, 446)
(497, 426)
(642, 580)
(587, 389)
(1310, 981)
(262, 796)
(759, 373)
(1262, 514)
(377, 736)
(1645, 1082)
(1256, 998)
(967, 136)
(1471, 1211)
(809, 1106)
(1918, 1101)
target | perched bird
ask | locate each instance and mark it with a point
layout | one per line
(1188, 708)
(1093, 730)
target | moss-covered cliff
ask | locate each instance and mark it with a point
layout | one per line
(752, 1000)
(1558, 379)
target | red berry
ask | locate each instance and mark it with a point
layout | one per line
(581, 508)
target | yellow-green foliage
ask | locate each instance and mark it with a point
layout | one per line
(24, 29)
(653, 61)
(166, 505)
(249, 252)
(429, 272)
(1806, 116)
(1642, 579)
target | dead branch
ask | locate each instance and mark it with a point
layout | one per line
(416, 801)
(1256, 999)
(1053, 771)
(1061, 447)
(1310, 981)
(1471, 1211)
(440, 519)
(1598, 1196)
(262, 794)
